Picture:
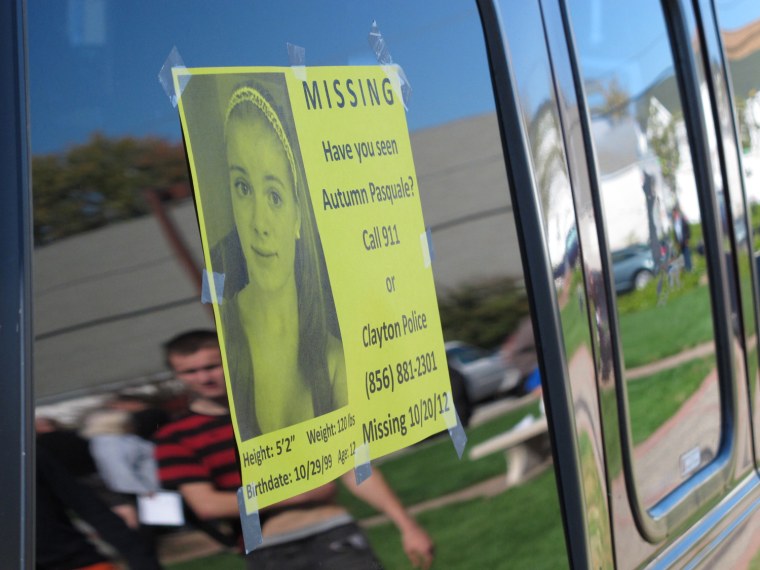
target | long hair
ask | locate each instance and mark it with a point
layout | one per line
(308, 270)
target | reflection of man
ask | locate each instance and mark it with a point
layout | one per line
(196, 456)
(683, 235)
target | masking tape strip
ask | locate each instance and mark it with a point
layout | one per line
(428, 251)
(362, 466)
(215, 293)
(431, 247)
(173, 61)
(297, 57)
(250, 522)
(383, 54)
(456, 431)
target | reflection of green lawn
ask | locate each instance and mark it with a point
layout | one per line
(654, 399)
(608, 404)
(520, 528)
(655, 332)
(574, 321)
(597, 515)
(745, 283)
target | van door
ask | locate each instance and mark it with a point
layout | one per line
(640, 114)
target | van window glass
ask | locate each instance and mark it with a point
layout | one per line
(652, 215)
(118, 256)
(739, 24)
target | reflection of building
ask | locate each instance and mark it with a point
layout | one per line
(618, 146)
(101, 317)
(751, 156)
(623, 156)
(742, 42)
(742, 47)
(465, 200)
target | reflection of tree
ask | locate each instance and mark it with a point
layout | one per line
(747, 123)
(741, 115)
(650, 193)
(483, 313)
(662, 138)
(615, 99)
(663, 141)
(99, 182)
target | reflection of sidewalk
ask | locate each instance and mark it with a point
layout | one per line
(699, 351)
(694, 428)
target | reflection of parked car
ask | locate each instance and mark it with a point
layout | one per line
(476, 375)
(633, 268)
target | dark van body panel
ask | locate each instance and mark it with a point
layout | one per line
(703, 518)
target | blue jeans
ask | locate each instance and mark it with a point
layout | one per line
(686, 257)
(343, 547)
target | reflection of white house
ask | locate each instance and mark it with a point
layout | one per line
(623, 157)
(751, 156)
(621, 175)
(742, 47)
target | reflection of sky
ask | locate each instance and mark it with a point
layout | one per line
(734, 14)
(94, 63)
(627, 40)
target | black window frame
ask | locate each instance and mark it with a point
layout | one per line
(16, 406)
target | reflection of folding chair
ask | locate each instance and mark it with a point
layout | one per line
(675, 268)
(527, 449)
(672, 272)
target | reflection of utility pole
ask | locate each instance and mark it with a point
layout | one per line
(651, 197)
(156, 197)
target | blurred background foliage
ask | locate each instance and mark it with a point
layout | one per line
(483, 313)
(88, 186)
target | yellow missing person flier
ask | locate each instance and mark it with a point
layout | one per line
(309, 206)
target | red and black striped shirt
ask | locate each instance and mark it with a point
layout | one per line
(198, 448)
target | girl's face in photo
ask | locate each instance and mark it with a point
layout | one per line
(264, 205)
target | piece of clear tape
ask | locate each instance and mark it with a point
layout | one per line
(297, 57)
(362, 465)
(456, 431)
(383, 54)
(249, 520)
(428, 251)
(166, 76)
(212, 290)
